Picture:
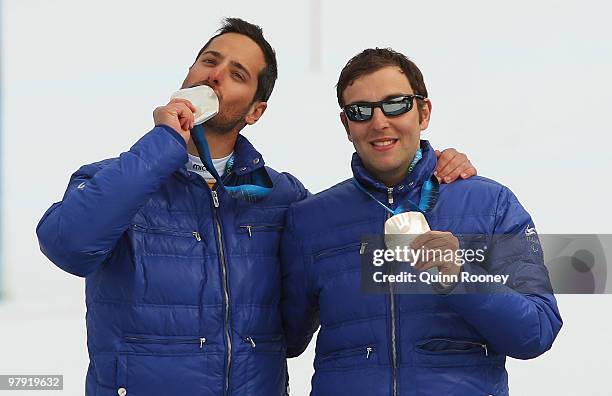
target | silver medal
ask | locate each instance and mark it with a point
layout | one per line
(203, 98)
(401, 229)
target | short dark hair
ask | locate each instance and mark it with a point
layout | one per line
(267, 77)
(373, 59)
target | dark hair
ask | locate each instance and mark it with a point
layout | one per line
(267, 77)
(374, 59)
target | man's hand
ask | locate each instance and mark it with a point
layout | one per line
(453, 164)
(177, 114)
(442, 246)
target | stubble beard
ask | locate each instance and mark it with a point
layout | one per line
(227, 121)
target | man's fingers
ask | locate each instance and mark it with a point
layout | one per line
(183, 111)
(186, 102)
(435, 246)
(423, 239)
(448, 161)
(464, 171)
(446, 173)
(180, 112)
(444, 158)
(185, 124)
(469, 172)
(436, 241)
(425, 265)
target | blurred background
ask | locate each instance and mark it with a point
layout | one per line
(522, 87)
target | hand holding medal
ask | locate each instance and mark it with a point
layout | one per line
(440, 242)
(411, 230)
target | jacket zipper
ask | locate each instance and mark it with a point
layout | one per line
(367, 351)
(223, 264)
(146, 340)
(250, 228)
(251, 340)
(340, 249)
(478, 344)
(194, 234)
(392, 300)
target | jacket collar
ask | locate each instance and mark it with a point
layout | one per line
(246, 158)
(421, 172)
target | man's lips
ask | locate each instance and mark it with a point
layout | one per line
(384, 144)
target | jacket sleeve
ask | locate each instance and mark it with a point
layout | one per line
(299, 303)
(79, 232)
(519, 319)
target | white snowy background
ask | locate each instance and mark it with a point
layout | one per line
(523, 87)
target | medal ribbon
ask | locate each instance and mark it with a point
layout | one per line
(429, 197)
(429, 193)
(248, 192)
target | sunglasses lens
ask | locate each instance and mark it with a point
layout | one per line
(358, 112)
(394, 108)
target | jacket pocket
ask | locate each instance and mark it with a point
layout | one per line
(448, 345)
(447, 352)
(251, 229)
(344, 261)
(169, 263)
(350, 247)
(178, 342)
(173, 374)
(260, 360)
(258, 238)
(265, 343)
(347, 358)
(151, 364)
(168, 231)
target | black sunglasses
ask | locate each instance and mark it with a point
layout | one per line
(363, 111)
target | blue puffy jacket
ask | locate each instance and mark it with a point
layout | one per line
(413, 344)
(182, 290)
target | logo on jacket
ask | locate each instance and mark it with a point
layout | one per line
(530, 231)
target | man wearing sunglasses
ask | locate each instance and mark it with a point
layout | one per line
(426, 324)
(182, 271)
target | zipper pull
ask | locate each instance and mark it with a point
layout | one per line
(215, 198)
(363, 248)
(202, 342)
(249, 229)
(390, 195)
(197, 236)
(251, 341)
(484, 346)
(369, 350)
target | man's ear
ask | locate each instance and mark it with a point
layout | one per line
(256, 112)
(344, 122)
(425, 114)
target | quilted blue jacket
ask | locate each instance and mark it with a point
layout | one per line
(426, 343)
(182, 285)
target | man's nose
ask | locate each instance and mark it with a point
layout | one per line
(216, 75)
(379, 119)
